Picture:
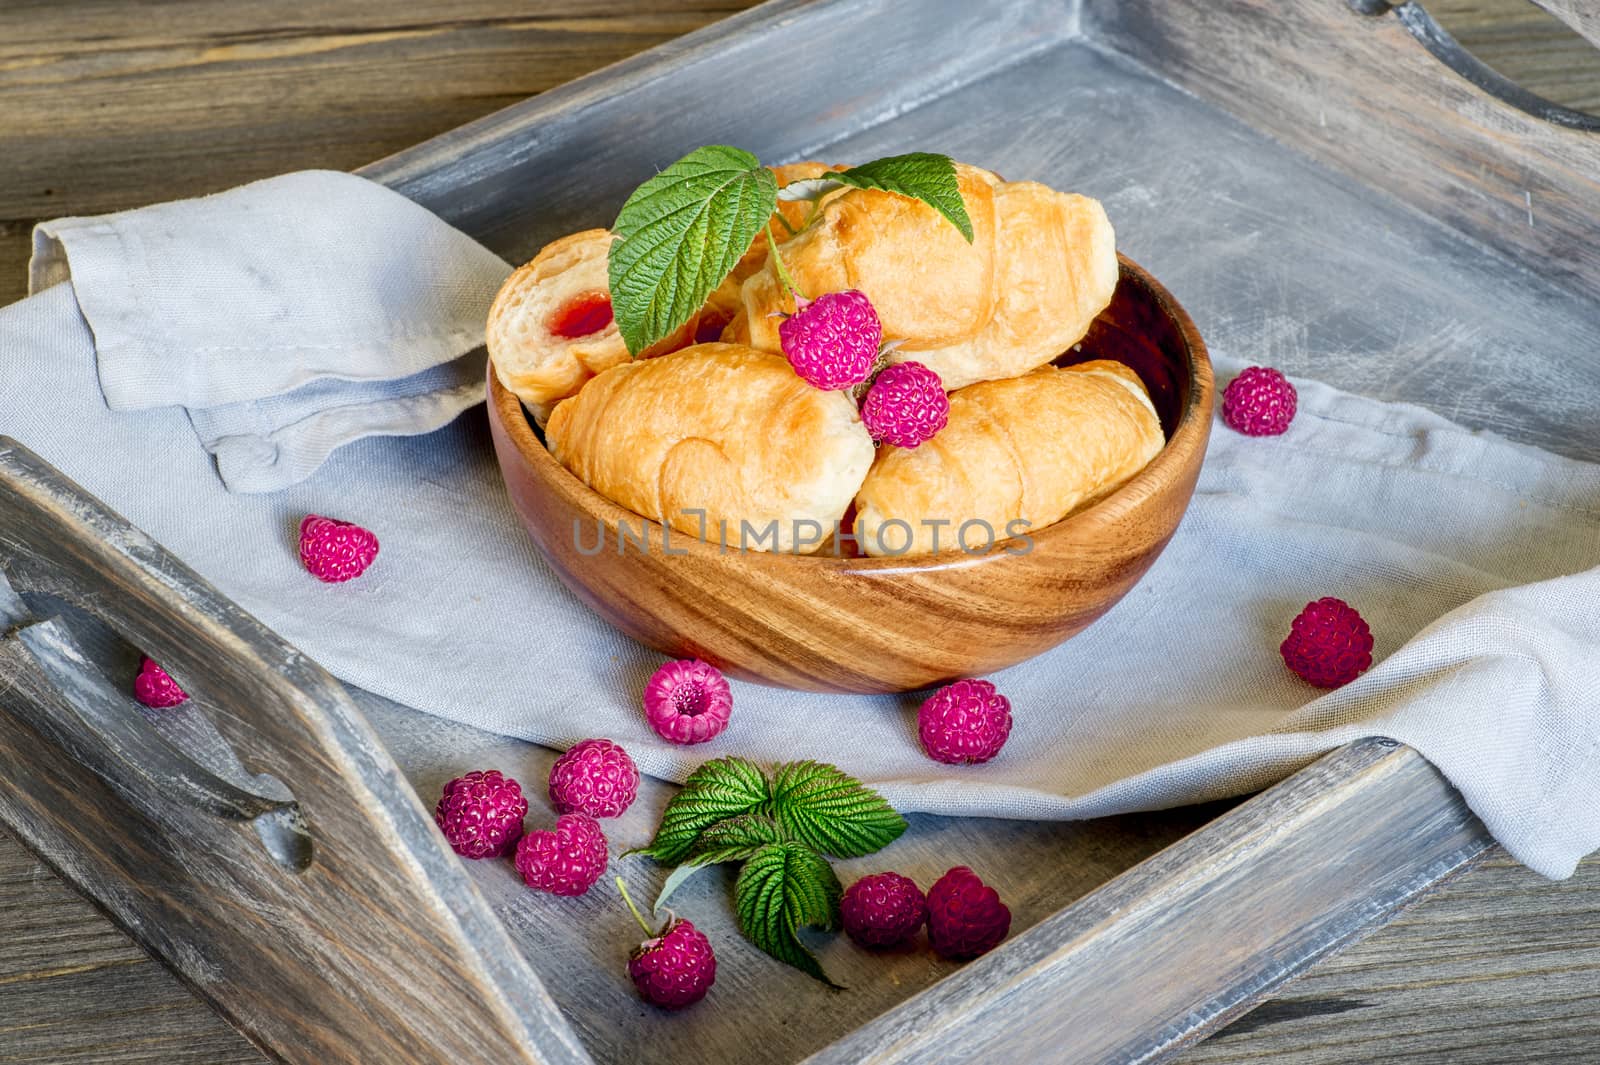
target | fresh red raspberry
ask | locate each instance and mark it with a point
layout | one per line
(883, 910)
(155, 688)
(335, 551)
(906, 405)
(674, 969)
(688, 701)
(1259, 402)
(595, 777)
(481, 814)
(566, 860)
(964, 723)
(1328, 643)
(965, 916)
(832, 342)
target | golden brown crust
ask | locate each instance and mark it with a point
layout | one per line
(531, 361)
(1029, 449)
(1056, 268)
(716, 428)
(929, 286)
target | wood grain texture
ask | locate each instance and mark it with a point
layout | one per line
(1518, 183)
(377, 945)
(112, 105)
(831, 622)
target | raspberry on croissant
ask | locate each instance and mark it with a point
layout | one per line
(1026, 449)
(930, 287)
(717, 433)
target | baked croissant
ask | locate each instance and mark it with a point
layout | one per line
(719, 429)
(724, 302)
(1017, 455)
(551, 328)
(930, 287)
(1056, 268)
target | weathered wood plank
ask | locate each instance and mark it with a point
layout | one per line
(1498, 968)
(74, 989)
(1432, 139)
(381, 946)
(106, 107)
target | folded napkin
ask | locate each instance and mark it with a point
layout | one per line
(288, 317)
(1472, 558)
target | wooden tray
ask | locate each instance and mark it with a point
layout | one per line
(1308, 178)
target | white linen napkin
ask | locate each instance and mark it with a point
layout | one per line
(1473, 559)
(288, 317)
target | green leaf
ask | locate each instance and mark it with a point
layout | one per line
(735, 839)
(720, 789)
(681, 234)
(833, 812)
(675, 880)
(921, 175)
(732, 840)
(783, 887)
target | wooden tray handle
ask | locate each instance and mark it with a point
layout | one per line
(381, 949)
(1444, 47)
(109, 736)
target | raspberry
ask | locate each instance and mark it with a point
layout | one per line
(566, 860)
(832, 342)
(335, 551)
(965, 916)
(1328, 643)
(883, 910)
(906, 406)
(155, 688)
(1259, 402)
(688, 701)
(674, 969)
(596, 777)
(481, 814)
(965, 722)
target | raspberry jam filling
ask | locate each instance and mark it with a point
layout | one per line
(581, 316)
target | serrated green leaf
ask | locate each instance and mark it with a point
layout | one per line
(921, 175)
(720, 789)
(735, 839)
(831, 811)
(732, 840)
(680, 234)
(782, 888)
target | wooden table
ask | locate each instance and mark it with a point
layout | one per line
(107, 105)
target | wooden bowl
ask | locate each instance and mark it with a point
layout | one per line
(826, 623)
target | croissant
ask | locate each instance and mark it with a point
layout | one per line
(1017, 455)
(551, 328)
(1056, 268)
(719, 429)
(930, 287)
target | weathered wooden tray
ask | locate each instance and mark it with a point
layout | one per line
(1308, 178)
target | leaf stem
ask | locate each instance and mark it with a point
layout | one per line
(637, 916)
(777, 262)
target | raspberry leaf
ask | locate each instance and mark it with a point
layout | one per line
(681, 234)
(720, 789)
(732, 840)
(923, 176)
(782, 888)
(831, 811)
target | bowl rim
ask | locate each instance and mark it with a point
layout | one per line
(1188, 435)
